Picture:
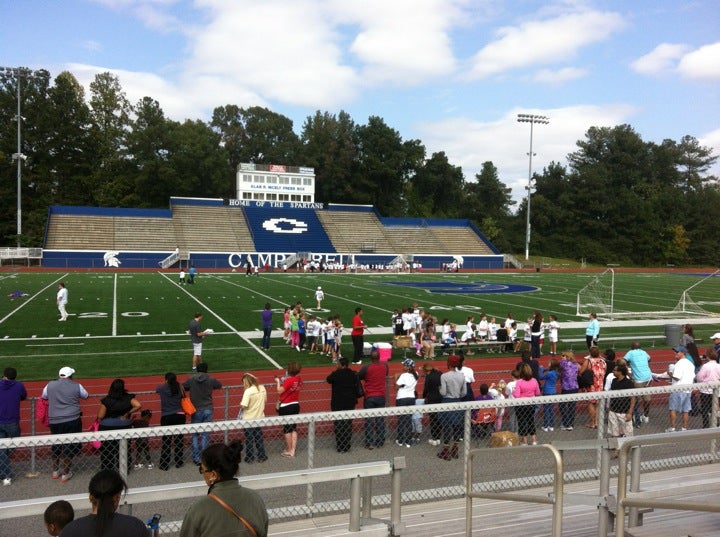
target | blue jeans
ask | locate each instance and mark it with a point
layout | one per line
(200, 440)
(7, 430)
(549, 414)
(404, 421)
(265, 343)
(567, 411)
(254, 445)
(374, 427)
(535, 346)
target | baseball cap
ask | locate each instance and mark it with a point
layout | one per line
(408, 362)
(319, 288)
(716, 335)
(66, 372)
(680, 348)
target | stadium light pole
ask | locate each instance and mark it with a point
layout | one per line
(532, 119)
(18, 73)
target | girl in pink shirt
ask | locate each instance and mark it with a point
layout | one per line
(526, 386)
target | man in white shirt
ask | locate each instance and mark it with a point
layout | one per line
(683, 373)
(62, 300)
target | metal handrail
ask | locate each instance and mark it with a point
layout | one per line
(555, 499)
(636, 499)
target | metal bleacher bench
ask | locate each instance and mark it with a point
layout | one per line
(360, 502)
(614, 339)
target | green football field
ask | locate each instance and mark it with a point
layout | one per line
(126, 324)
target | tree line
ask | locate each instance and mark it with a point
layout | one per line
(619, 200)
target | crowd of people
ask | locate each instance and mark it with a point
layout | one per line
(565, 373)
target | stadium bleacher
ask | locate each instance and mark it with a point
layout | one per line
(213, 230)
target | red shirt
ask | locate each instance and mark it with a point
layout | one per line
(373, 375)
(357, 326)
(292, 390)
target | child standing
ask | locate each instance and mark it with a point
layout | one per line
(549, 377)
(142, 449)
(286, 324)
(554, 326)
(302, 333)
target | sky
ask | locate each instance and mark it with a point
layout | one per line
(453, 74)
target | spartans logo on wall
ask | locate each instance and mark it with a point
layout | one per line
(111, 260)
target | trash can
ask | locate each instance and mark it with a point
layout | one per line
(672, 334)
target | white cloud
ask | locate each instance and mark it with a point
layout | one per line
(712, 140)
(402, 41)
(702, 63)
(283, 50)
(544, 42)
(92, 45)
(174, 101)
(547, 76)
(663, 58)
(505, 142)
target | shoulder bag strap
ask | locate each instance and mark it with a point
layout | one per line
(231, 510)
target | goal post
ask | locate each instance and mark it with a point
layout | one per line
(598, 296)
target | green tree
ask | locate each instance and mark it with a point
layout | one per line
(110, 113)
(386, 163)
(152, 178)
(228, 122)
(70, 152)
(436, 190)
(487, 196)
(35, 192)
(269, 137)
(198, 162)
(329, 146)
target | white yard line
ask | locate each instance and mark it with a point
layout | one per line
(223, 321)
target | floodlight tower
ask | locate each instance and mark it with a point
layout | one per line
(532, 119)
(18, 73)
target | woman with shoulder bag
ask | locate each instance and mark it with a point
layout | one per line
(229, 508)
(171, 413)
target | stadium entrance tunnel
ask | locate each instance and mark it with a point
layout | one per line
(467, 288)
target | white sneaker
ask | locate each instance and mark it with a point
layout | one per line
(545, 429)
(150, 466)
(683, 429)
(645, 419)
(670, 430)
(552, 429)
(7, 481)
(138, 466)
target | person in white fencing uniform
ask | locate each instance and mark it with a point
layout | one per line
(319, 296)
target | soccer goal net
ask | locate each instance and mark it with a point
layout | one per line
(687, 305)
(598, 296)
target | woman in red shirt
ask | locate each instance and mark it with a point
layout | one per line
(288, 389)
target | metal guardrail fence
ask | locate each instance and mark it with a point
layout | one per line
(428, 478)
